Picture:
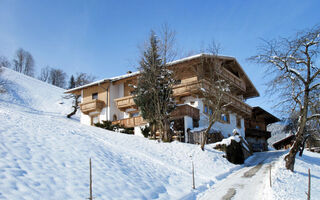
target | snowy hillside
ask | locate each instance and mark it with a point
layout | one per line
(292, 186)
(44, 155)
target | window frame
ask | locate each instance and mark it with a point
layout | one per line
(94, 96)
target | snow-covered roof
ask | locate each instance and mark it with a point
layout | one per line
(112, 79)
(196, 56)
(169, 64)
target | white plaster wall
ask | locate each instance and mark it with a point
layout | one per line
(225, 128)
(103, 115)
(116, 91)
(85, 119)
(188, 123)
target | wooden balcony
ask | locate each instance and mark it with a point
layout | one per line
(186, 110)
(253, 132)
(125, 102)
(131, 122)
(92, 106)
(227, 75)
(237, 105)
(188, 89)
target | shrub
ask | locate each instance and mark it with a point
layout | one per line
(114, 127)
(145, 131)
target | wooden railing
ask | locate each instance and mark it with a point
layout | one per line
(92, 106)
(125, 102)
(186, 110)
(253, 132)
(180, 111)
(233, 79)
(187, 89)
(131, 122)
(237, 104)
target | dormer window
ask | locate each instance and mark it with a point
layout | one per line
(94, 96)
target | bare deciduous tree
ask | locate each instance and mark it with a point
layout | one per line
(4, 62)
(295, 73)
(214, 88)
(44, 74)
(23, 62)
(168, 49)
(57, 77)
(80, 79)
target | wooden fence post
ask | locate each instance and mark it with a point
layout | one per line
(193, 182)
(309, 184)
(90, 198)
(270, 176)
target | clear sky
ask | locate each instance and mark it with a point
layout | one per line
(102, 37)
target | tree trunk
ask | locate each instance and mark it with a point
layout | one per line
(290, 158)
(205, 135)
(75, 109)
(75, 106)
(303, 144)
(153, 130)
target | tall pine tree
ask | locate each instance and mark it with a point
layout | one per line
(153, 93)
(72, 83)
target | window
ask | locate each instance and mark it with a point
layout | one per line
(225, 118)
(95, 96)
(210, 111)
(238, 122)
(136, 114)
(205, 109)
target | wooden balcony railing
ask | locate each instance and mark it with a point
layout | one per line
(180, 111)
(125, 102)
(92, 106)
(187, 89)
(237, 104)
(253, 132)
(233, 79)
(186, 110)
(131, 122)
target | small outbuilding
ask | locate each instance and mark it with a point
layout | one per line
(284, 143)
(256, 129)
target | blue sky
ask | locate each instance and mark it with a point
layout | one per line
(102, 37)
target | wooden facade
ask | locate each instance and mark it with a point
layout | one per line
(94, 105)
(192, 74)
(256, 128)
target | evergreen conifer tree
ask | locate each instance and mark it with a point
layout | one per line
(153, 93)
(72, 83)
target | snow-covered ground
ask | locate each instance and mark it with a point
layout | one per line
(44, 155)
(292, 186)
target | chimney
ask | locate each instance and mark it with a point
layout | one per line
(129, 72)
